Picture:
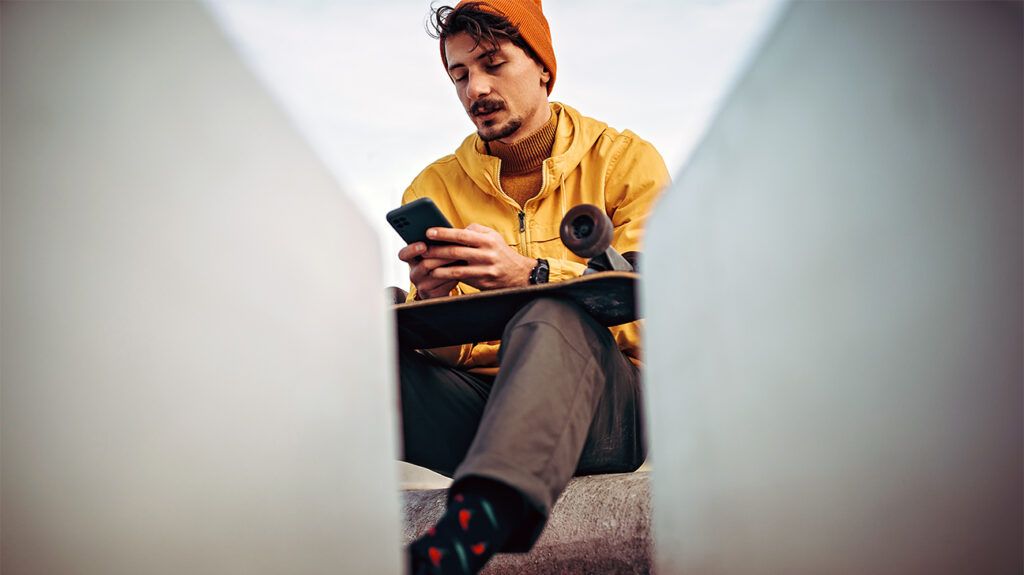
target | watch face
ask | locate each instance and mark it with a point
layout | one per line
(541, 271)
(539, 274)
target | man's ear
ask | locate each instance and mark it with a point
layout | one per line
(545, 76)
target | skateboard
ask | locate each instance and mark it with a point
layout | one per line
(607, 291)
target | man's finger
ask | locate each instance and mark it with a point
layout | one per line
(430, 264)
(454, 253)
(464, 273)
(456, 236)
(435, 288)
(423, 268)
(409, 253)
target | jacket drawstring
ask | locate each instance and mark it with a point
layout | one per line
(561, 203)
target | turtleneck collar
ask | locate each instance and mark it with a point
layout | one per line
(527, 154)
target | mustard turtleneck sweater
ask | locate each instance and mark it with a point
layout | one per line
(522, 162)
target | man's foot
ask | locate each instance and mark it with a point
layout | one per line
(481, 516)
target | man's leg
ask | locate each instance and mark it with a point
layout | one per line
(565, 398)
(441, 410)
(564, 391)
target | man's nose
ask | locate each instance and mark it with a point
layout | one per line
(478, 85)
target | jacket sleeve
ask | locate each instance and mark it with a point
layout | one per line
(561, 270)
(636, 176)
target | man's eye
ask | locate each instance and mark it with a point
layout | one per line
(495, 66)
(458, 78)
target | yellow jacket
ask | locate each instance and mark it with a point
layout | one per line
(590, 163)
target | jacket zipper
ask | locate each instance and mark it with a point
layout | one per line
(522, 233)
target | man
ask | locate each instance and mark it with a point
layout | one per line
(566, 399)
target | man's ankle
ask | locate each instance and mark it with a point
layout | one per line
(482, 514)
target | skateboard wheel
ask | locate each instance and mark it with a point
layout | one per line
(586, 230)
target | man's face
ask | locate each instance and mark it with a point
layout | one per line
(503, 90)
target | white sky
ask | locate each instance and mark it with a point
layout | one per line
(364, 83)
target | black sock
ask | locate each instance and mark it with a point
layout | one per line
(481, 516)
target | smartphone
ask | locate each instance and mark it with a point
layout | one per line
(412, 221)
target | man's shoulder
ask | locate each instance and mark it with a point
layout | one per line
(620, 152)
(436, 179)
(443, 167)
(629, 140)
(445, 162)
(449, 163)
(623, 138)
(605, 136)
(626, 147)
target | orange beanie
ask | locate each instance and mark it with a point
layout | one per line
(527, 17)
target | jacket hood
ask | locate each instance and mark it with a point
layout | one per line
(575, 135)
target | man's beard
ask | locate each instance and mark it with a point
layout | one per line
(486, 106)
(511, 127)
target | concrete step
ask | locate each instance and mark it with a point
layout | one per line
(601, 524)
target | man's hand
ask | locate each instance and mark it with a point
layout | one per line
(490, 262)
(419, 271)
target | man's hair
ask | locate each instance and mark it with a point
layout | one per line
(483, 26)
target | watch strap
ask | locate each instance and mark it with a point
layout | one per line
(540, 272)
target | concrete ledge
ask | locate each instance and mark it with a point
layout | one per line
(601, 524)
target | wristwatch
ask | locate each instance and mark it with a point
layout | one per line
(539, 274)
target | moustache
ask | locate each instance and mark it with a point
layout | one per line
(486, 107)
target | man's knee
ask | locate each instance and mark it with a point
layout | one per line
(554, 310)
(565, 321)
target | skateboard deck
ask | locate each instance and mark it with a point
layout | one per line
(610, 297)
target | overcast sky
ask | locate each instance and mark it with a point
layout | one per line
(364, 83)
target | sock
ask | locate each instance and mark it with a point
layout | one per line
(481, 516)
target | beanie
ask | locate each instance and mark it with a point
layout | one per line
(527, 17)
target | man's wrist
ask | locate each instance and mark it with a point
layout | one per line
(540, 273)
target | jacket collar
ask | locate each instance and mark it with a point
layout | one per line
(574, 136)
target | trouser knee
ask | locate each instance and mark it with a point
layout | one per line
(570, 325)
(550, 308)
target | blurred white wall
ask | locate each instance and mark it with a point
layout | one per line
(194, 378)
(834, 304)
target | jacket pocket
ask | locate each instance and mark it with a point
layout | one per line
(546, 242)
(511, 236)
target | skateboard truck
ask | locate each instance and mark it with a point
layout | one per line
(587, 231)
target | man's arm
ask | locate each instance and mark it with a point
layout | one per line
(635, 179)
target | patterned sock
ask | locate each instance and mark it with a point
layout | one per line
(480, 518)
